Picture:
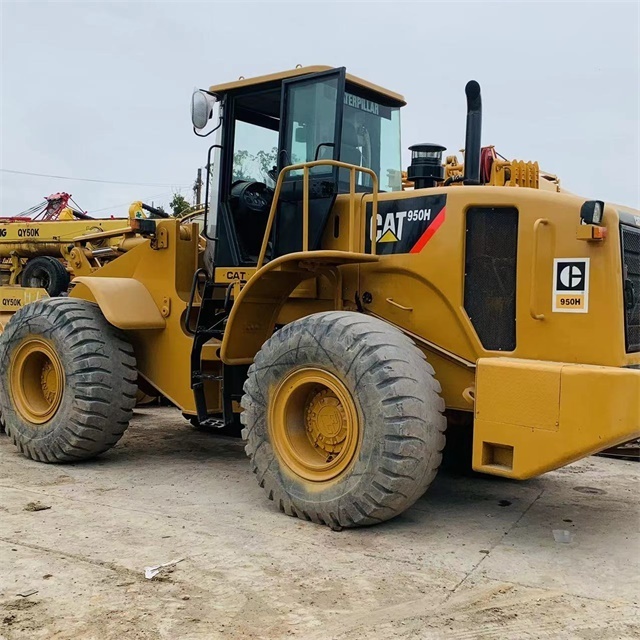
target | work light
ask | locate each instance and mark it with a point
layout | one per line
(591, 212)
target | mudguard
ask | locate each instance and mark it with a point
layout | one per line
(256, 309)
(125, 302)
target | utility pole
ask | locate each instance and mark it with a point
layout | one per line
(197, 188)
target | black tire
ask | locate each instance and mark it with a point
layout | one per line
(399, 410)
(46, 273)
(98, 372)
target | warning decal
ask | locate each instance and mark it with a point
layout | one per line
(571, 285)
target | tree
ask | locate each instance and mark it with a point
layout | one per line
(240, 159)
(179, 205)
(267, 160)
(252, 166)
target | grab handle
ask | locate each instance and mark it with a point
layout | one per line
(540, 222)
(397, 304)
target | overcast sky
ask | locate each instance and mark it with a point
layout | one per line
(102, 90)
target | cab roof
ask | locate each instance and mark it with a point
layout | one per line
(395, 99)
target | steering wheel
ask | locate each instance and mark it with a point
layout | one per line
(253, 196)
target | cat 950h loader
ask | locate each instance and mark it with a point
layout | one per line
(347, 319)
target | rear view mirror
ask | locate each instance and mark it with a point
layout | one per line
(301, 134)
(201, 108)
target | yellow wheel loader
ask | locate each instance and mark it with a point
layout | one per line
(346, 319)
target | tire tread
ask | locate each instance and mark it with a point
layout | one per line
(101, 377)
(412, 437)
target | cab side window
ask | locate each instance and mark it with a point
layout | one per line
(312, 124)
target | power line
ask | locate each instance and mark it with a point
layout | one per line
(132, 184)
(122, 204)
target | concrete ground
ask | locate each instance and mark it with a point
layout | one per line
(474, 558)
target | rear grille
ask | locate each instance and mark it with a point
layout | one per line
(631, 283)
(490, 275)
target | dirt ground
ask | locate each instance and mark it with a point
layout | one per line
(475, 558)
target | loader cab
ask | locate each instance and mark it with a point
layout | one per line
(271, 122)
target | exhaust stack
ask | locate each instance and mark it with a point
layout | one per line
(474, 132)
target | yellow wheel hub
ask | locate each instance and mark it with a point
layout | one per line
(37, 380)
(314, 424)
(326, 421)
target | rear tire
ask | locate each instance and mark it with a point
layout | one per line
(67, 380)
(46, 273)
(376, 430)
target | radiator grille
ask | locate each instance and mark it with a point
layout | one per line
(631, 283)
(490, 275)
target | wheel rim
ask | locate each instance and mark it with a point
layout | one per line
(39, 280)
(37, 381)
(314, 425)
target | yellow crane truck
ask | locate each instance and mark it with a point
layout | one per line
(347, 320)
(38, 253)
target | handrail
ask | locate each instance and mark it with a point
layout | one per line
(534, 262)
(305, 166)
(192, 297)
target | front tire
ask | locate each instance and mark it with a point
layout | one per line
(67, 380)
(343, 420)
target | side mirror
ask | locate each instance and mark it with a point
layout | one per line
(201, 108)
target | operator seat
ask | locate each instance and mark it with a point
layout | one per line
(349, 151)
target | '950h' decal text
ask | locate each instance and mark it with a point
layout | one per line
(405, 225)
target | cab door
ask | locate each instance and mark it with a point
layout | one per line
(310, 129)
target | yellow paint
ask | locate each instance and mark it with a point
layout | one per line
(12, 299)
(438, 322)
(534, 416)
(136, 210)
(570, 301)
(535, 410)
(233, 274)
(256, 309)
(432, 282)
(126, 303)
(73, 241)
(31, 239)
(162, 354)
(37, 380)
(313, 425)
(590, 232)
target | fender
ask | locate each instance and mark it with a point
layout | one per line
(255, 311)
(125, 302)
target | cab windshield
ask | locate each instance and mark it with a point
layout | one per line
(370, 134)
(371, 138)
